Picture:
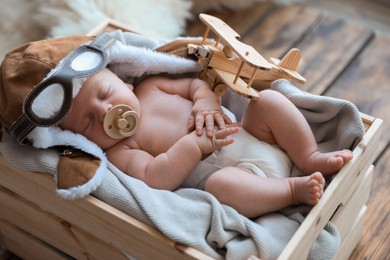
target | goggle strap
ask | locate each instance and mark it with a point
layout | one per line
(103, 41)
(21, 128)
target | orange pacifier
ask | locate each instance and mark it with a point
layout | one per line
(120, 121)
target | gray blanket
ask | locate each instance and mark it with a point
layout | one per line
(196, 218)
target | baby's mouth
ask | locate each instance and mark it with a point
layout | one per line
(121, 121)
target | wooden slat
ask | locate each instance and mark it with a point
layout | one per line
(375, 239)
(25, 245)
(95, 217)
(349, 209)
(366, 83)
(350, 241)
(108, 25)
(4, 253)
(47, 227)
(328, 49)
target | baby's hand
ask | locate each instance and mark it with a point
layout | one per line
(219, 139)
(208, 120)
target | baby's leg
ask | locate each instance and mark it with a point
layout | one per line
(252, 195)
(274, 119)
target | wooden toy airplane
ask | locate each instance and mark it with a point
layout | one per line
(229, 62)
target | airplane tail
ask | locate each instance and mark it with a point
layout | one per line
(289, 64)
(291, 60)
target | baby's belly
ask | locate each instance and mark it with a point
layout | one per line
(164, 134)
(164, 120)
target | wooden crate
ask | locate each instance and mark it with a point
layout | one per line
(108, 25)
(35, 223)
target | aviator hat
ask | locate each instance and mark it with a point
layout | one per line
(36, 64)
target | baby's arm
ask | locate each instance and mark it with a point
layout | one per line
(169, 170)
(206, 110)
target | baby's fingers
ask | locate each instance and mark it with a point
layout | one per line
(226, 119)
(191, 123)
(223, 133)
(199, 124)
(209, 122)
(221, 120)
(221, 137)
(218, 143)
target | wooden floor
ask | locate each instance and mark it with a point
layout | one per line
(374, 14)
(341, 58)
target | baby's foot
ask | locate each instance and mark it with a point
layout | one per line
(308, 189)
(327, 163)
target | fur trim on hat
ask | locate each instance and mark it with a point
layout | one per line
(45, 137)
(131, 61)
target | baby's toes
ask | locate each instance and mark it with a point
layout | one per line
(345, 154)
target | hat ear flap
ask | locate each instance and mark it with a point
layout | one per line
(81, 168)
(75, 168)
(78, 173)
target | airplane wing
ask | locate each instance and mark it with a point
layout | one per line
(230, 38)
(239, 86)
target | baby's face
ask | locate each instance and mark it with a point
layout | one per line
(98, 94)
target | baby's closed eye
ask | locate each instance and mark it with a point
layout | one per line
(104, 92)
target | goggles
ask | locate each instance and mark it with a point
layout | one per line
(94, 58)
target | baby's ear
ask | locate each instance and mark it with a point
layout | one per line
(131, 87)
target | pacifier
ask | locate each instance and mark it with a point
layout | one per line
(120, 121)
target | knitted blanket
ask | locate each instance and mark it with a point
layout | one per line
(194, 217)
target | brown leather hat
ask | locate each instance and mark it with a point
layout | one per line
(24, 67)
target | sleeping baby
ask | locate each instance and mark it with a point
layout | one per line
(169, 133)
(183, 138)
